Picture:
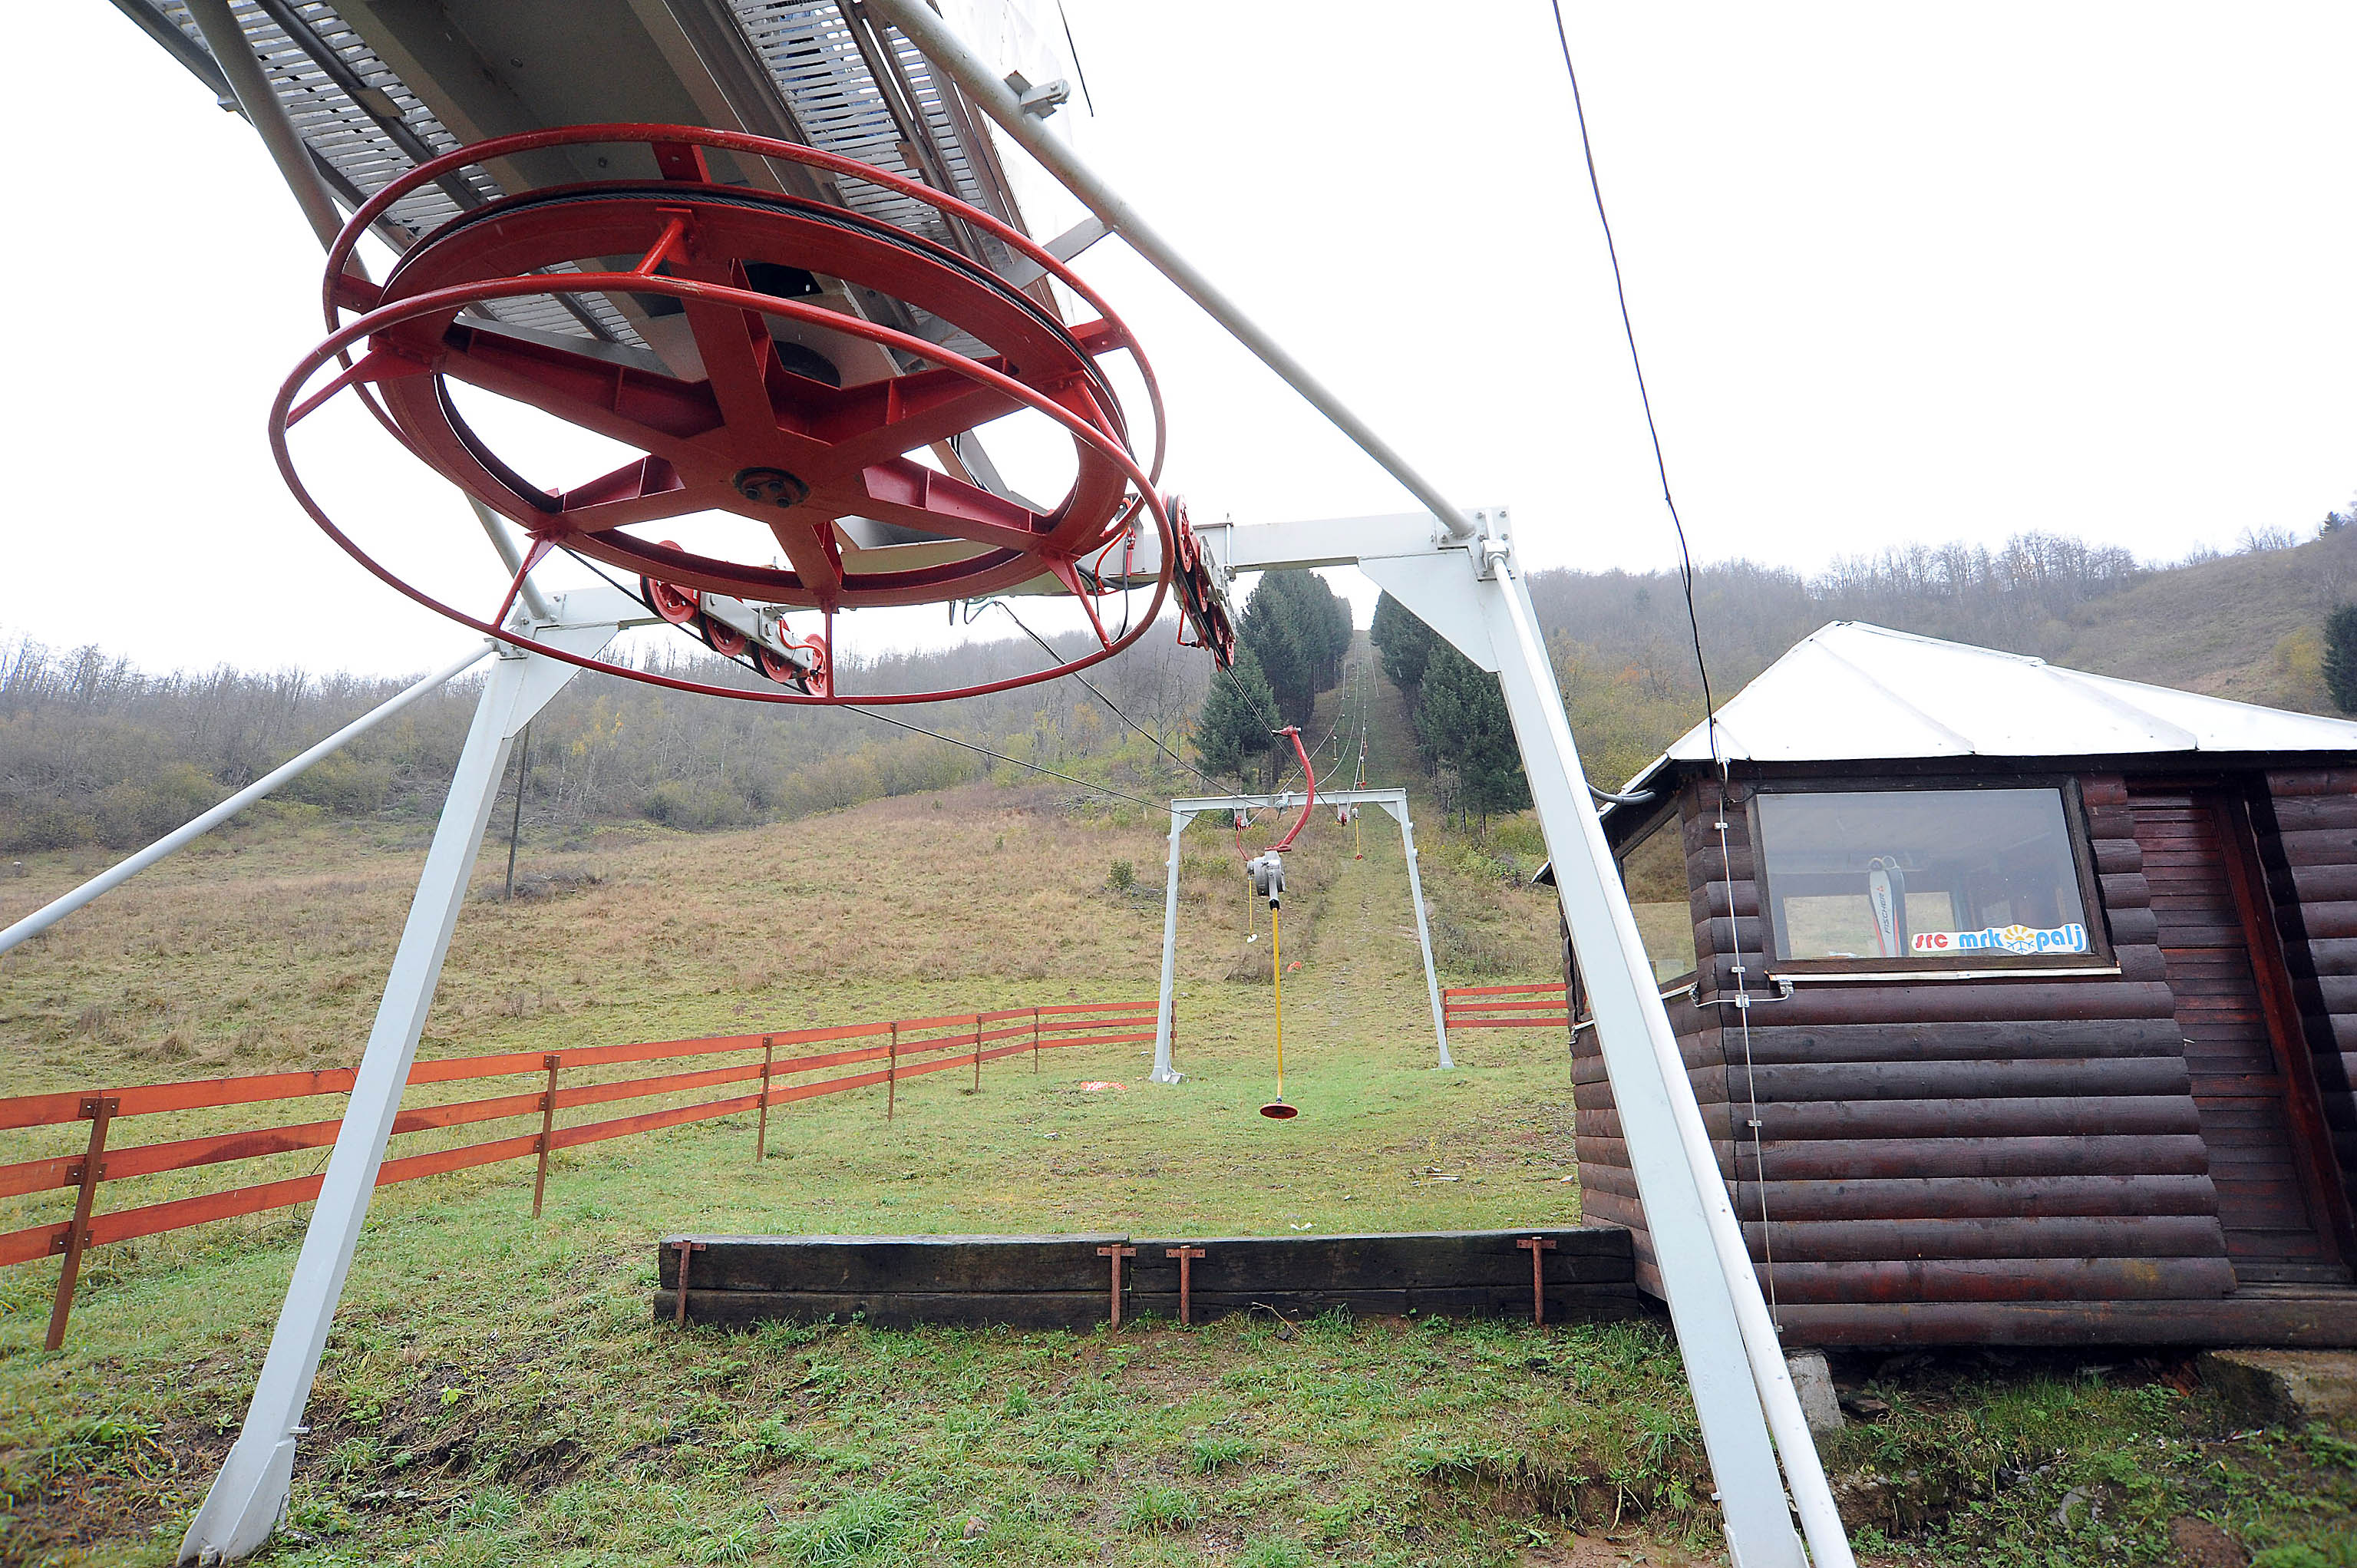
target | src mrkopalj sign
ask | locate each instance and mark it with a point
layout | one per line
(2023, 939)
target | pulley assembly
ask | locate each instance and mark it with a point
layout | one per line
(707, 355)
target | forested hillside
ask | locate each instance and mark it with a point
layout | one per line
(2247, 625)
(94, 752)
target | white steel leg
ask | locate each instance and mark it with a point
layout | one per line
(1423, 929)
(1487, 619)
(249, 1496)
(1734, 1362)
(1163, 1071)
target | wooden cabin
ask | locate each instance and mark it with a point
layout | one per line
(2053, 980)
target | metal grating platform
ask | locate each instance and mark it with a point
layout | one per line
(816, 71)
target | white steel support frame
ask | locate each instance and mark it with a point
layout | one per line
(1185, 810)
(249, 1497)
(187, 832)
(1457, 573)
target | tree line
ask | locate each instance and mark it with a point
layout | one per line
(1290, 641)
(94, 751)
(1462, 730)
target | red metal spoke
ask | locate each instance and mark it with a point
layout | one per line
(808, 540)
(643, 491)
(540, 546)
(655, 413)
(1069, 573)
(909, 495)
(376, 365)
(738, 361)
(881, 420)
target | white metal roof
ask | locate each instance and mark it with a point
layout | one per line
(1850, 692)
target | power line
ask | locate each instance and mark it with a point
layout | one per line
(1694, 624)
(919, 729)
(1629, 331)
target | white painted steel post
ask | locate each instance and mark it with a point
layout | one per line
(1423, 930)
(123, 871)
(249, 1496)
(1163, 1071)
(1714, 1295)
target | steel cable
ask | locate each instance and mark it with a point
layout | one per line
(1702, 665)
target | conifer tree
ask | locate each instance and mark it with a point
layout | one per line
(1233, 734)
(1404, 641)
(1461, 718)
(2341, 657)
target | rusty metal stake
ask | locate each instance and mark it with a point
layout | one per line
(686, 1249)
(100, 1111)
(1035, 1041)
(1116, 1253)
(892, 1074)
(1186, 1255)
(547, 1133)
(977, 1055)
(761, 1129)
(1538, 1247)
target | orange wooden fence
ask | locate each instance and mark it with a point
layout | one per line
(907, 1048)
(1506, 1007)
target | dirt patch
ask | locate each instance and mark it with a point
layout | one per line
(114, 1481)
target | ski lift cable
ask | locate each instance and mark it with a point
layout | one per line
(919, 729)
(914, 728)
(1702, 664)
(1108, 701)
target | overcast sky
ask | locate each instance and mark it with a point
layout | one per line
(1900, 273)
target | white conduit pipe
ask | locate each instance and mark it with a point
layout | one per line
(922, 27)
(259, 100)
(48, 915)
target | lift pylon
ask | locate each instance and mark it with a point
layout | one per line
(1186, 810)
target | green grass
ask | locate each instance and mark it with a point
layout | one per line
(497, 1391)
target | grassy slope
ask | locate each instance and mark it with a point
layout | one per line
(496, 1393)
(2240, 627)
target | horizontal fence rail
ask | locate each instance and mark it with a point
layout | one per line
(1541, 1006)
(906, 1047)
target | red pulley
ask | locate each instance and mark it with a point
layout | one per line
(703, 280)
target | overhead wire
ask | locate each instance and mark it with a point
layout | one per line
(1046, 648)
(1742, 997)
(903, 724)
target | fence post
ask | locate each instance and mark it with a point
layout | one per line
(1035, 1041)
(977, 1055)
(761, 1130)
(100, 1110)
(547, 1132)
(892, 1073)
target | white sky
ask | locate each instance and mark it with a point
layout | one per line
(1900, 273)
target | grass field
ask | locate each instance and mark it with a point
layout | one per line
(497, 1391)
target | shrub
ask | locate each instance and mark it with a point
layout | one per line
(342, 785)
(696, 808)
(1121, 877)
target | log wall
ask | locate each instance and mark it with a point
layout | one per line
(1982, 1160)
(2306, 825)
(1608, 1189)
(1066, 1282)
